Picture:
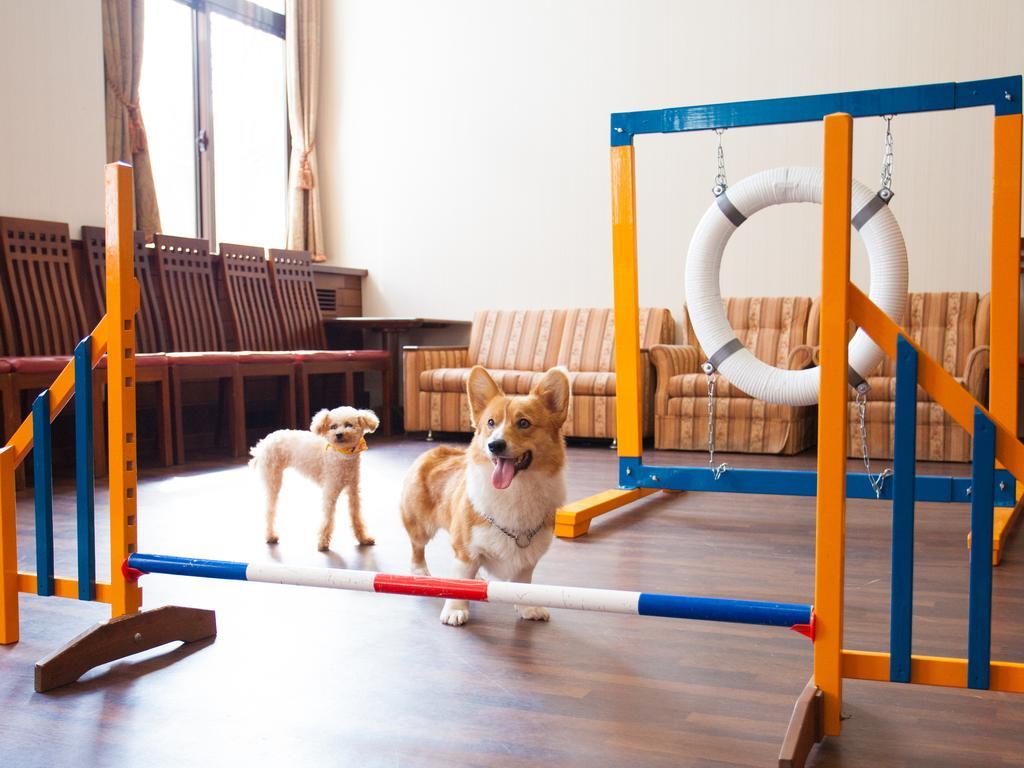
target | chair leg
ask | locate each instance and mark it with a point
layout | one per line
(288, 383)
(303, 396)
(177, 407)
(349, 388)
(166, 443)
(238, 434)
(387, 379)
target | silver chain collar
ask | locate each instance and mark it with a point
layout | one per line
(523, 539)
(877, 481)
(721, 468)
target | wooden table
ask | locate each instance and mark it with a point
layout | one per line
(390, 329)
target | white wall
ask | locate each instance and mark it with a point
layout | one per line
(464, 145)
(52, 143)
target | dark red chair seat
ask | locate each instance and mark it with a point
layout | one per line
(148, 360)
(200, 358)
(264, 357)
(5, 366)
(37, 363)
(342, 355)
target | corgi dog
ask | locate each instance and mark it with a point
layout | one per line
(497, 498)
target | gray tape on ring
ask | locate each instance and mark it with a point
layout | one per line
(724, 351)
(731, 211)
(857, 381)
(873, 206)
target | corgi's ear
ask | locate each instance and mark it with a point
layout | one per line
(481, 389)
(318, 426)
(553, 391)
(369, 421)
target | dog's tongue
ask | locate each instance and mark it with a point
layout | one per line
(504, 471)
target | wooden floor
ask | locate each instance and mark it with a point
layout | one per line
(305, 677)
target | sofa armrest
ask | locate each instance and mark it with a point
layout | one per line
(976, 373)
(671, 360)
(800, 357)
(416, 360)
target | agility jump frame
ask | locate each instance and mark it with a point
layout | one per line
(635, 479)
(990, 491)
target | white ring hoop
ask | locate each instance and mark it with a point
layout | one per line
(887, 254)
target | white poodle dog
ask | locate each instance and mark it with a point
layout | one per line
(328, 454)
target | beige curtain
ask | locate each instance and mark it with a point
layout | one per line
(126, 134)
(302, 49)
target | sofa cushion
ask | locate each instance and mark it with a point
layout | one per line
(696, 385)
(770, 327)
(884, 388)
(588, 337)
(516, 382)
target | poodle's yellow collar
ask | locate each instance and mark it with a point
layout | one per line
(357, 448)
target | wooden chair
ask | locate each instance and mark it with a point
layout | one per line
(292, 276)
(43, 316)
(196, 348)
(256, 322)
(150, 363)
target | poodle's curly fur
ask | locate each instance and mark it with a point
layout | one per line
(328, 454)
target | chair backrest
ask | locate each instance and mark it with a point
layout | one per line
(255, 315)
(292, 273)
(769, 326)
(588, 337)
(189, 290)
(944, 325)
(151, 333)
(536, 339)
(42, 279)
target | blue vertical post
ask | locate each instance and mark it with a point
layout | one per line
(42, 458)
(904, 460)
(979, 612)
(84, 471)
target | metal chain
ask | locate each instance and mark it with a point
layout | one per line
(721, 468)
(877, 481)
(720, 183)
(886, 178)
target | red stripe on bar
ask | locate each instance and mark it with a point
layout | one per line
(428, 586)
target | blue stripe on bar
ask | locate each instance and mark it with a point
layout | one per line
(901, 611)
(42, 458)
(929, 488)
(721, 609)
(979, 612)
(1002, 93)
(188, 566)
(85, 475)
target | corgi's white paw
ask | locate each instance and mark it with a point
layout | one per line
(454, 617)
(420, 570)
(533, 613)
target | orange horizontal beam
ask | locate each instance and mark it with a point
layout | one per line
(943, 388)
(61, 391)
(62, 588)
(932, 670)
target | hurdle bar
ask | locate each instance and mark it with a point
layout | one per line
(799, 618)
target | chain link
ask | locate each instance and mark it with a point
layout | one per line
(721, 468)
(886, 178)
(720, 183)
(877, 481)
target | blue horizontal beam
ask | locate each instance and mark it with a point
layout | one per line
(930, 488)
(1002, 93)
(722, 609)
(188, 566)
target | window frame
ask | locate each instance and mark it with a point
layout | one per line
(252, 15)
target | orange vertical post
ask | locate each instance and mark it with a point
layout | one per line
(830, 542)
(1005, 307)
(126, 597)
(629, 426)
(8, 550)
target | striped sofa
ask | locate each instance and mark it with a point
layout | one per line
(517, 347)
(776, 331)
(953, 328)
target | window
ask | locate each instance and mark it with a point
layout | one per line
(212, 94)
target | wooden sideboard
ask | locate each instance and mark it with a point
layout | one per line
(339, 290)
